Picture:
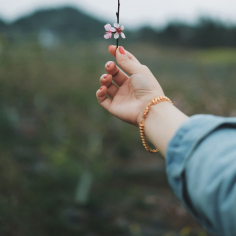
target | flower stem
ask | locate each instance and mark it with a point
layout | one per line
(118, 21)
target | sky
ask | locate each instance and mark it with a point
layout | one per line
(134, 13)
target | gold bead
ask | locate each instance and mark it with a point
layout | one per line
(145, 113)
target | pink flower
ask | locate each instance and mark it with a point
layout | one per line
(119, 30)
(109, 30)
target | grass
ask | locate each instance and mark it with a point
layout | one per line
(52, 128)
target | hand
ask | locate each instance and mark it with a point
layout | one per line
(133, 93)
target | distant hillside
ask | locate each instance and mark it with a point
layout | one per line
(70, 24)
(65, 23)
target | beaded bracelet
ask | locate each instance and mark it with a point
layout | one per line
(145, 113)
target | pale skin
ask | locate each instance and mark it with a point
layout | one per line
(136, 88)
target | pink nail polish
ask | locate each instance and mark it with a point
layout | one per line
(101, 88)
(109, 63)
(122, 50)
(105, 76)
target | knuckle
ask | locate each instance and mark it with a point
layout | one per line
(116, 72)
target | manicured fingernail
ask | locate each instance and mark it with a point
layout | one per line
(105, 76)
(122, 50)
(101, 88)
(109, 63)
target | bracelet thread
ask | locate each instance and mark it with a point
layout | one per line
(142, 123)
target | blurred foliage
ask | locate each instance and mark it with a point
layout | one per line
(207, 33)
(2, 25)
(53, 129)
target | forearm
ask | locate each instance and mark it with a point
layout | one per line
(161, 124)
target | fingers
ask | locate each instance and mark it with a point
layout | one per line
(130, 66)
(102, 98)
(128, 63)
(106, 80)
(112, 50)
(118, 75)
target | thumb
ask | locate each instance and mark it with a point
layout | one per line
(126, 64)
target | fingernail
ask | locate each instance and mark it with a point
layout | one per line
(101, 88)
(105, 76)
(121, 50)
(109, 63)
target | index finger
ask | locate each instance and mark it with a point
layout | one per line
(112, 50)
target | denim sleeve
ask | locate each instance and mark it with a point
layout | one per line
(201, 169)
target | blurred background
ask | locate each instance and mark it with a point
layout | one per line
(67, 167)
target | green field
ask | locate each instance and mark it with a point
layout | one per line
(53, 131)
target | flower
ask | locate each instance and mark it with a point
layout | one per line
(109, 30)
(119, 30)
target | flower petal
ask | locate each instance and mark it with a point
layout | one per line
(122, 27)
(107, 27)
(112, 29)
(116, 35)
(108, 35)
(117, 25)
(122, 35)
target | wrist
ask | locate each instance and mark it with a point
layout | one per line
(161, 123)
(155, 109)
(158, 113)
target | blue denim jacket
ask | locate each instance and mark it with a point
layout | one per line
(201, 168)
